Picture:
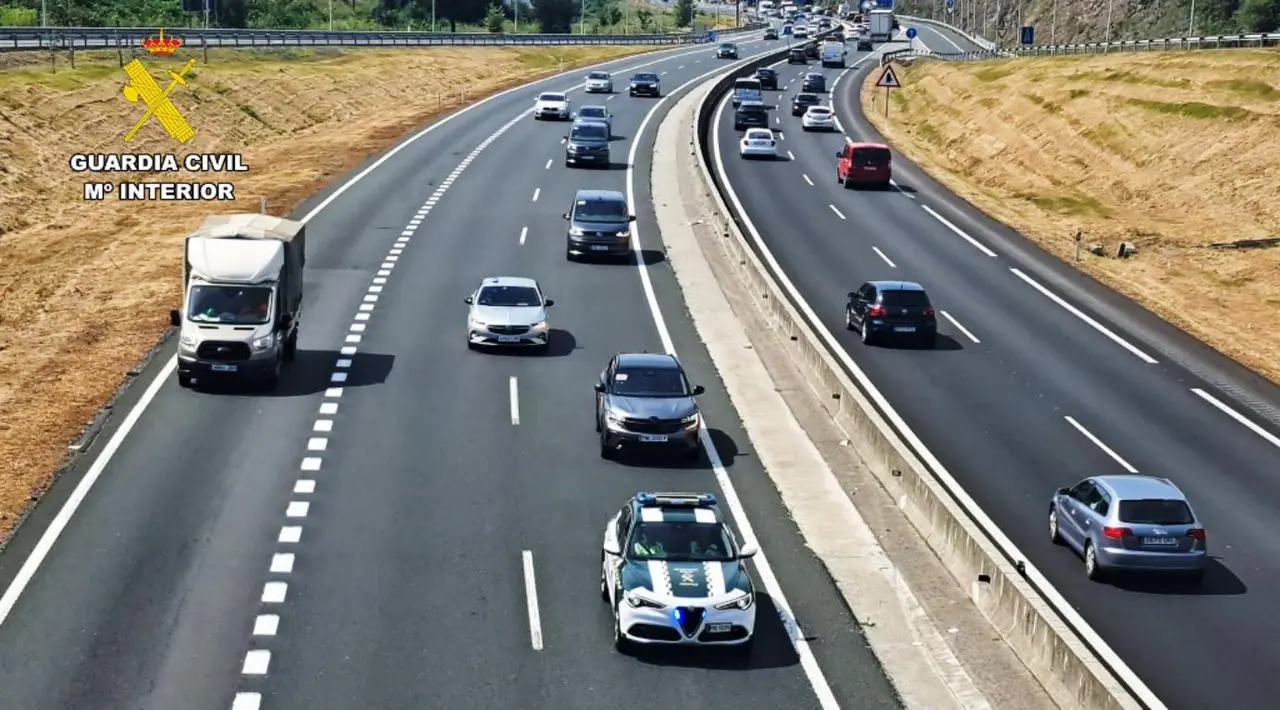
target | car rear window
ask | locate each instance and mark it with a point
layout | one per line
(904, 299)
(1155, 512)
(871, 156)
(751, 111)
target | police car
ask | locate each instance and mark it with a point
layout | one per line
(675, 575)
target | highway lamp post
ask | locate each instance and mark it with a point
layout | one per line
(44, 14)
(1053, 26)
(330, 15)
(433, 16)
(1191, 26)
(1110, 4)
(582, 22)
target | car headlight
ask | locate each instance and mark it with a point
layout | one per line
(691, 419)
(478, 324)
(575, 232)
(613, 418)
(540, 325)
(265, 342)
(187, 340)
(742, 602)
(623, 233)
(635, 599)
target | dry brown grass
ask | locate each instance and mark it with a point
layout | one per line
(1169, 151)
(85, 287)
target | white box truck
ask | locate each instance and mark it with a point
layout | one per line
(242, 299)
(881, 22)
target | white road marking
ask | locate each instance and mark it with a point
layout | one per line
(790, 155)
(531, 597)
(282, 563)
(311, 463)
(274, 592)
(1085, 317)
(266, 625)
(611, 98)
(959, 327)
(334, 392)
(297, 509)
(838, 213)
(304, 485)
(524, 233)
(290, 534)
(777, 119)
(881, 254)
(977, 244)
(806, 179)
(322, 425)
(256, 662)
(317, 443)
(515, 401)
(548, 166)
(247, 701)
(536, 192)
(902, 192)
(1098, 443)
(1266, 435)
(329, 408)
(782, 136)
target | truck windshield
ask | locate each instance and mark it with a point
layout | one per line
(237, 305)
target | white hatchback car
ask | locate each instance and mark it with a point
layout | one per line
(758, 143)
(551, 104)
(599, 81)
(818, 118)
(508, 310)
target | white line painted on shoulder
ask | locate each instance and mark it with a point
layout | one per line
(515, 401)
(247, 701)
(536, 191)
(1098, 443)
(1240, 418)
(524, 233)
(806, 179)
(976, 244)
(881, 254)
(548, 166)
(838, 212)
(531, 597)
(959, 327)
(274, 592)
(1084, 317)
(266, 625)
(256, 662)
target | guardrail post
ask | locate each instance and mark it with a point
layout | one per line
(71, 53)
(204, 48)
(53, 54)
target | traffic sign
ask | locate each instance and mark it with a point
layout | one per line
(951, 4)
(888, 79)
(911, 33)
(1028, 34)
(711, 36)
(786, 30)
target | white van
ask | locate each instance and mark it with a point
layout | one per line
(833, 54)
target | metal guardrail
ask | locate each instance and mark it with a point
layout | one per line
(1171, 44)
(18, 39)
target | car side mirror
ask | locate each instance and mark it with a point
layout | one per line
(549, 303)
(468, 300)
(1064, 491)
(612, 548)
(698, 389)
(564, 216)
(599, 387)
(853, 295)
(175, 318)
(631, 218)
(748, 551)
(840, 154)
(566, 137)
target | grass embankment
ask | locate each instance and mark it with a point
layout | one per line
(1168, 151)
(85, 288)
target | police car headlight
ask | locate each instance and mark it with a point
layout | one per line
(637, 600)
(264, 343)
(743, 602)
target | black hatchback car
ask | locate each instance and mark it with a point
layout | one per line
(801, 103)
(881, 310)
(796, 56)
(750, 114)
(814, 82)
(811, 51)
(768, 78)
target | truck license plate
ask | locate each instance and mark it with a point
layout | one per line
(218, 367)
(654, 438)
(508, 338)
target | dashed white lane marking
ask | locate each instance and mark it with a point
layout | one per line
(297, 509)
(531, 596)
(959, 327)
(536, 191)
(282, 563)
(611, 98)
(901, 191)
(663, 74)
(882, 255)
(266, 625)
(256, 662)
(806, 179)
(515, 401)
(976, 244)
(838, 212)
(304, 485)
(290, 534)
(1240, 418)
(322, 425)
(791, 156)
(548, 166)
(1084, 317)
(524, 233)
(782, 136)
(777, 119)
(274, 592)
(1098, 443)
(247, 701)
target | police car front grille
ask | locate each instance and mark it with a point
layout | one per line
(691, 619)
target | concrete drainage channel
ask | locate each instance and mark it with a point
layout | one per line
(1055, 644)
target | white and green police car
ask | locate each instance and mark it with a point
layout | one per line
(675, 575)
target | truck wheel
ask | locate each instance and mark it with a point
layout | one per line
(291, 347)
(273, 380)
(184, 381)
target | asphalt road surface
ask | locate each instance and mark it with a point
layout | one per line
(1024, 395)
(369, 534)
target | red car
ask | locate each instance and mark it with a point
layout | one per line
(864, 164)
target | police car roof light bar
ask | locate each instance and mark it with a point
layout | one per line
(675, 499)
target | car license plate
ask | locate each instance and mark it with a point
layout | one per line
(719, 628)
(1160, 541)
(599, 247)
(904, 329)
(653, 438)
(508, 338)
(218, 367)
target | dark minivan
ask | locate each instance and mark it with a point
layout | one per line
(599, 224)
(750, 114)
(892, 309)
(587, 144)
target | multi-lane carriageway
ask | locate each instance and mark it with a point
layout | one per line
(405, 523)
(1039, 381)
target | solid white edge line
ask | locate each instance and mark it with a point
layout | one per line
(808, 662)
(882, 255)
(976, 244)
(959, 327)
(531, 598)
(1268, 436)
(1098, 443)
(515, 400)
(51, 534)
(1064, 609)
(1084, 317)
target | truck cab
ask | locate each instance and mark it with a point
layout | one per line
(242, 299)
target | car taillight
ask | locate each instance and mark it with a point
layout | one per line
(1116, 533)
(876, 312)
(1196, 534)
(928, 311)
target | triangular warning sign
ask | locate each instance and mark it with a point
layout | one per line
(888, 79)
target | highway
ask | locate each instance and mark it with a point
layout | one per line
(368, 536)
(1042, 378)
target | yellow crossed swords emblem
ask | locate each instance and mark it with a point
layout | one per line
(142, 86)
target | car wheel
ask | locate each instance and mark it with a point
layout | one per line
(693, 455)
(620, 642)
(848, 320)
(606, 451)
(1091, 568)
(184, 381)
(1055, 536)
(604, 580)
(866, 333)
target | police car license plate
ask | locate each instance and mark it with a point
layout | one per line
(508, 338)
(655, 438)
(904, 329)
(218, 367)
(719, 628)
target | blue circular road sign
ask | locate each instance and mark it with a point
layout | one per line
(911, 33)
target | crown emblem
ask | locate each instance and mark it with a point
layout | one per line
(161, 46)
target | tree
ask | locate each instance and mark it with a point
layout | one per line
(283, 14)
(455, 11)
(684, 13)
(495, 18)
(645, 18)
(1259, 15)
(555, 16)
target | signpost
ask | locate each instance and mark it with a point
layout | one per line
(911, 33)
(951, 5)
(1028, 35)
(889, 80)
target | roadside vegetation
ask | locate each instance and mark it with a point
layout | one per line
(1171, 152)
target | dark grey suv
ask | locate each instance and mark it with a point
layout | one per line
(645, 399)
(587, 144)
(599, 224)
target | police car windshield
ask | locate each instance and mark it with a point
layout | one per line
(508, 297)
(229, 304)
(649, 382)
(680, 542)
